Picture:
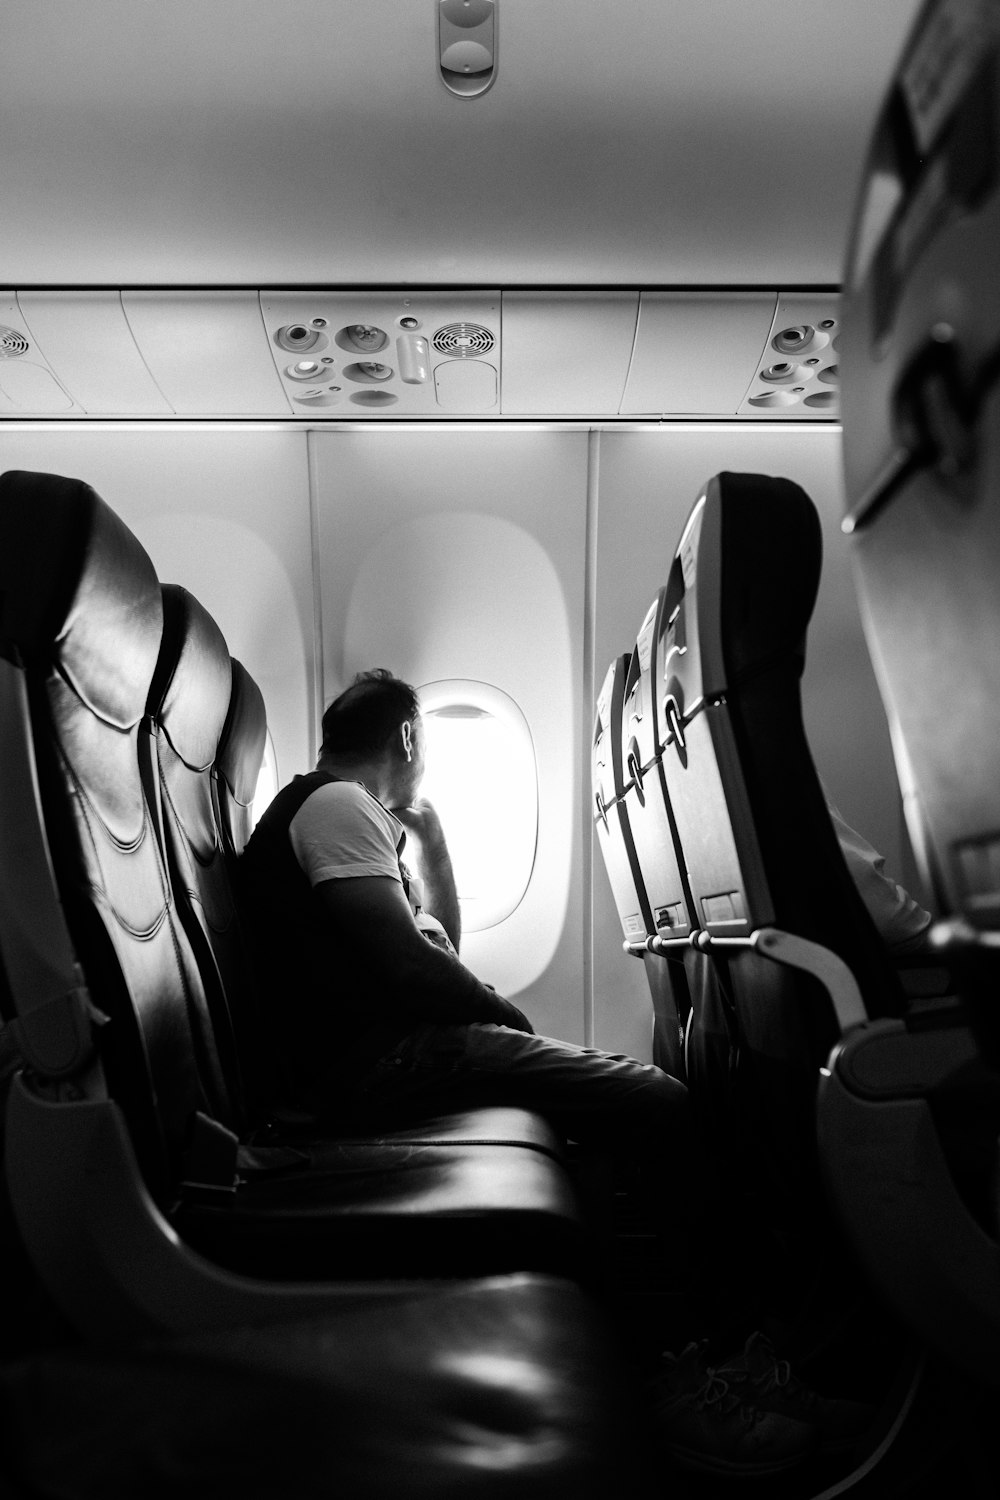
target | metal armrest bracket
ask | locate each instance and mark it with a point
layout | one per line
(809, 958)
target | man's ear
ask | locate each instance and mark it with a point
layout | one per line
(407, 734)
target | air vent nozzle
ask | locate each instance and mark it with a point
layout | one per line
(295, 336)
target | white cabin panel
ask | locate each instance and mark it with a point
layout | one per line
(566, 353)
(461, 555)
(28, 384)
(207, 352)
(86, 338)
(696, 353)
(660, 143)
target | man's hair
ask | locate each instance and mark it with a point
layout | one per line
(368, 714)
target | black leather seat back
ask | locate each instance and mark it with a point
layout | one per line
(80, 608)
(188, 706)
(756, 835)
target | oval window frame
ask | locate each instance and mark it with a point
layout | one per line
(465, 693)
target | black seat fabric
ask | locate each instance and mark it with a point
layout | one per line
(758, 845)
(758, 842)
(81, 608)
(187, 706)
(89, 629)
(494, 1389)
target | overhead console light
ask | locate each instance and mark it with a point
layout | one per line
(387, 351)
(467, 50)
(412, 353)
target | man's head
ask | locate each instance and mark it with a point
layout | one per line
(375, 725)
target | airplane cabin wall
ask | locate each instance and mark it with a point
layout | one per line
(521, 557)
(462, 554)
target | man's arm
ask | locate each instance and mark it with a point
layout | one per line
(433, 865)
(372, 913)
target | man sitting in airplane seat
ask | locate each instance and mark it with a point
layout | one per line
(371, 1019)
(368, 1017)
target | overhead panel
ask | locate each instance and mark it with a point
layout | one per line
(346, 355)
(206, 352)
(87, 338)
(386, 354)
(28, 385)
(798, 374)
(566, 353)
(696, 352)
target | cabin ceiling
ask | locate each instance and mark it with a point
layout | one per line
(312, 142)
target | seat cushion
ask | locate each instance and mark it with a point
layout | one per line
(487, 1389)
(370, 1208)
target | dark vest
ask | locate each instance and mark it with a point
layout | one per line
(327, 1016)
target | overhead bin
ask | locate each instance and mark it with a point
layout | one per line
(349, 355)
(87, 337)
(27, 383)
(566, 352)
(205, 351)
(695, 351)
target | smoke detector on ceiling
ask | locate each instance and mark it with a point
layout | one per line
(467, 46)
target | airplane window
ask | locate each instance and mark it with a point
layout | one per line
(481, 777)
(267, 782)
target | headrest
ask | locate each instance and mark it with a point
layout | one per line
(189, 693)
(743, 584)
(78, 592)
(241, 746)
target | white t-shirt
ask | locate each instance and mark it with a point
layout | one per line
(342, 830)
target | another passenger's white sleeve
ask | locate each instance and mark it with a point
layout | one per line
(900, 920)
(341, 830)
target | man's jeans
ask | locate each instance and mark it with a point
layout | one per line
(593, 1097)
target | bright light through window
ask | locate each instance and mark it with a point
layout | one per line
(267, 782)
(481, 777)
